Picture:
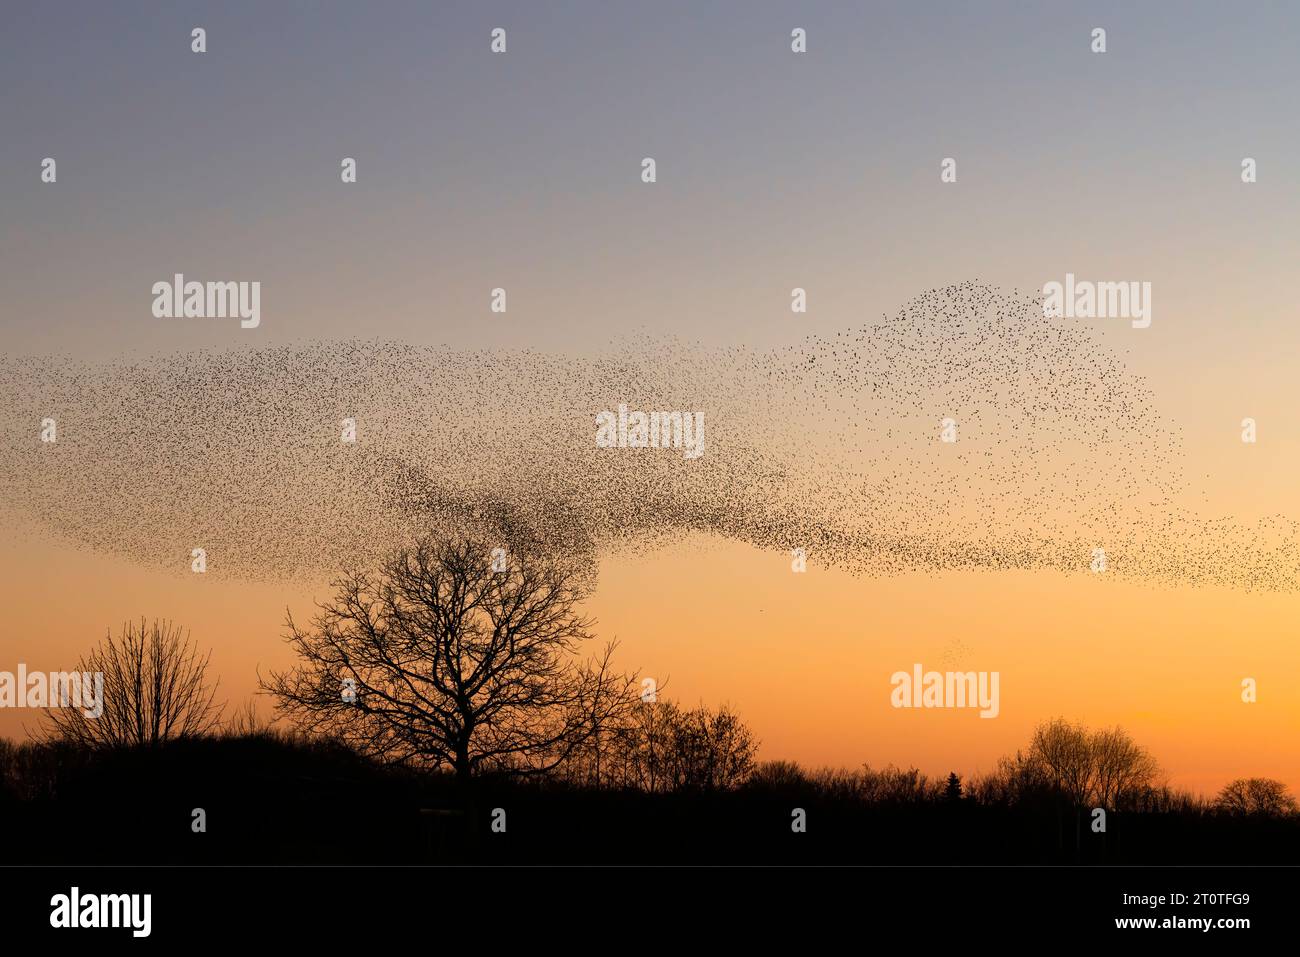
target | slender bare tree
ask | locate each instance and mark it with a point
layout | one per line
(155, 689)
(457, 653)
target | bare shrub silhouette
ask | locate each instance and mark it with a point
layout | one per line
(456, 655)
(29, 770)
(245, 722)
(710, 750)
(889, 785)
(893, 785)
(1016, 779)
(660, 747)
(155, 689)
(780, 777)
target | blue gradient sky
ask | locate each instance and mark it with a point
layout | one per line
(522, 170)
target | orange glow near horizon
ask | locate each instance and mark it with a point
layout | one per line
(806, 658)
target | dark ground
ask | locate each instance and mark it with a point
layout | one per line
(274, 801)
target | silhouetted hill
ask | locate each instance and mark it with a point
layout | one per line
(273, 799)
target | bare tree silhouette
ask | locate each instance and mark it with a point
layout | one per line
(1102, 767)
(1121, 766)
(1256, 796)
(1065, 751)
(155, 689)
(456, 653)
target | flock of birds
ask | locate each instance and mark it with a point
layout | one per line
(833, 445)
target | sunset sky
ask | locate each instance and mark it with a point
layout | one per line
(774, 171)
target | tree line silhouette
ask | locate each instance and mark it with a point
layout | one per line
(442, 710)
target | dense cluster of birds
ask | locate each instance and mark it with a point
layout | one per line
(834, 445)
